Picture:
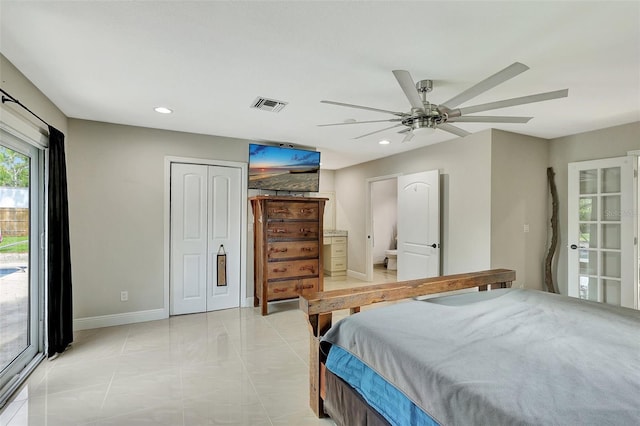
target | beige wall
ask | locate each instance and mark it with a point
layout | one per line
(465, 180)
(519, 198)
(605, 143)
(116, 209)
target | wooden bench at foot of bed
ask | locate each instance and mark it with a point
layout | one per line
(319, 307)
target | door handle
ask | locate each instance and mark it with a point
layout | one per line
(434, 245)
(573, 246)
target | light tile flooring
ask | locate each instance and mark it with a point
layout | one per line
(231, 367)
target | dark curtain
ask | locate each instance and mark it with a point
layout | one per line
(59, 309)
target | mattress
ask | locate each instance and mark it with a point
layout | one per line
(512, 356)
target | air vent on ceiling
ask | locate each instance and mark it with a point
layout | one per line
(268, 104)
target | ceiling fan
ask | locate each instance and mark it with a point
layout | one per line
(424, 115)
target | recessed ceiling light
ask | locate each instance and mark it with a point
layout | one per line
(384, 142)
(163, 110)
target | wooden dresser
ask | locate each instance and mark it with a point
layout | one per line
(287, 247)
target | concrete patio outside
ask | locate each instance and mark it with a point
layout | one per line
(14, 306)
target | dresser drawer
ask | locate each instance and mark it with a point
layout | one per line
(285, 230)
(292, 210)
(293, 268)
(291, 249)
(292, 288)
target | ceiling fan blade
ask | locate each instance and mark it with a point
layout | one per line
(452, 129)
(486, 84)
(488, 119)
(408, 137)
(409, 88)
(514, 101)
(378, 131)
(360, 122)
(400, 114)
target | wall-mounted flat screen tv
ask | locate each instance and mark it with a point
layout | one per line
(280, 168)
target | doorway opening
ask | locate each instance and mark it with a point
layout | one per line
(382, 215)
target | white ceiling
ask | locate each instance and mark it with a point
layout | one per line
(113, 61)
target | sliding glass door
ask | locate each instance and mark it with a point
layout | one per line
(21, 200)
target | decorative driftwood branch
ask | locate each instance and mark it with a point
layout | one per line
(548, 276)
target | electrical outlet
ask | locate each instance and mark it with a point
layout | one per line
(526, 227)
(124, 296)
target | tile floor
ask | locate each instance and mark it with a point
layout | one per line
(231, 367)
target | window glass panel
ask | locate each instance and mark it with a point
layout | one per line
(611, 208)
(588, 288)
(588, 235)
(588, 262)
(611, 236)
(588, 181)
(588, 209)
(611, 180)
(611, 292)
(611, 264)
(14, 255)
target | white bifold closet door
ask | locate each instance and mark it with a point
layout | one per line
(205, 216)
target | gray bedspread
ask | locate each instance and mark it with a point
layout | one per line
(505, 357)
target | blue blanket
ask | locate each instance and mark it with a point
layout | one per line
(381, 395)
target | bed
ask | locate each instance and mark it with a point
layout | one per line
(505, 356)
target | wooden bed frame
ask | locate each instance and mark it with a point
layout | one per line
(319, 307)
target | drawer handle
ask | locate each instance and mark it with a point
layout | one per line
(279, 211)
(305, 230)
(278, 250)
(309, 268)
(279, 290)
(279, 270)
(307, 249)
(278, 230)
(304, 286)
(305, 211)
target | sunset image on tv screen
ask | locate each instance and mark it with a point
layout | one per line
(283, 169)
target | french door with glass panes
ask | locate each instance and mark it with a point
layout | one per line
(601, 231)
(21, 224)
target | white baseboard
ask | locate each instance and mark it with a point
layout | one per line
(118, 319)
(358, 275)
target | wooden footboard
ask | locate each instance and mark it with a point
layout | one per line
(319, 307)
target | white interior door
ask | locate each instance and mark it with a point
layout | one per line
(419, 225)
(205, 215)
(188, 238)
(224, 231)
(601, 231)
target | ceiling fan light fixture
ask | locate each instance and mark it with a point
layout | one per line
(424, 130)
